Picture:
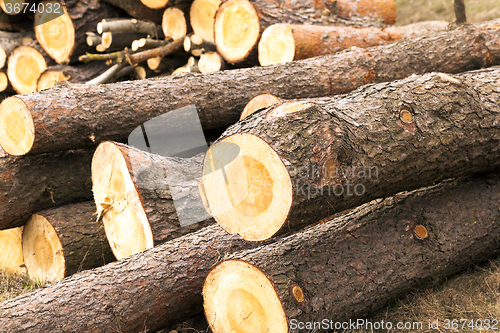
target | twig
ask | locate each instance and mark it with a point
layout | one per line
(460, 12)
(119, 56)
(108, 74)
(161, 51)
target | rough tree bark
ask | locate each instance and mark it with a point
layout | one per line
(145, 199)
(137, 9)
(163, 287)
(61, 241)
(33, 183)
(110, 111)
(329, 154)
(351, 266)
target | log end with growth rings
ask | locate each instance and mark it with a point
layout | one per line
(174, 23)
(259, 102)
(55, 32)
(24, 67)
(277, 45)
(247, 187)
(11, 251)
(49, 78)
(118, 203)
(17, 130)
(43, 251)
(236, 30)
(202, 14)
(238, 297)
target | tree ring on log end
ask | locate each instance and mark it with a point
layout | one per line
(259, 102)
(17, 130)
(118, 202)
(247, 186)
(287, 108)
(174, 23)
(202, 14)
(276, 45)
(236, 30)
(55, 32)
(24, 67)
(238, 297)
(11, 251)
(43, 251)
(49, 78)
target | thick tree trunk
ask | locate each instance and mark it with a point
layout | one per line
(137, 9)
(81, 73)
(11, 251)
(351, 266)
(33, 183)
(326, 155)
(61, 241)
(112, 111)
(146, 199)
(162, 287)
(307, 41)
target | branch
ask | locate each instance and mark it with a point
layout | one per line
(118, 56)
(460, 12)
(161, 51)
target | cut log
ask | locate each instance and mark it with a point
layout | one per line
(165, 64)
(11, 40)
(148, 43)
(131, 26)
(137, 9)
(11, 251)
(283, 42)
(141, 72)
(4, 81)
(211, 62)
(24, 68)
(61, 241)
(175, 22)
(196, 45)
(202, 15)
(259, 102)
(238, 23)
(301, 161)
(190, 67)
(75, 74)
(80, 17)
(354, 265)
(34, 183)
(117, 41)
(141, 196)
(165, 285)
(161, 51)
(220, 99)
(93, 39)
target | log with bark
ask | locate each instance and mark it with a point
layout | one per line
(196, 45)
(163, 287)
(9, 41)
(61, 241)
(145, 199)
(110, 112)
(286, 42)
(137, 9)
(24, 67)
(75, 74)
(11, 251)
(211, 62)
(33, 183)
(238, 23)
(202, 15)
(301, 161)
(190, 67)
(351, 266)
(79, 18)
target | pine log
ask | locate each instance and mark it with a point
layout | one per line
(61, 241)
(11, 40)
(33, 183)
(175, 22)
(75, 74)
(259, 102)
(164, 283)
(283, 42)
(238, 23)
(132, 26)
(137, 9)
(211, 62)
(351, 266)
(134, 193)
(93, 39)
(148, 43)
(79, 18)
(301, 161)
(11, 251)
(202, 16)
(111, 111)
(24, 67)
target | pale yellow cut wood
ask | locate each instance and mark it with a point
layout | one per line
(3, 57)
(210, 62)
(118, 202)
(174, 23)
(276, 45)
(24, 67)
(55, 32)
(202, 16)
(247, 186)
(155, 4)
(259, 102)
(238, 297)
(49, 78)
(17, 130)
(42, 250)
(11, 251)
(4, 81)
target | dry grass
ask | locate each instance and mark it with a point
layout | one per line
(411, 11)
(14, 285)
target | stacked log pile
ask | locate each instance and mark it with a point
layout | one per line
(293, 154)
